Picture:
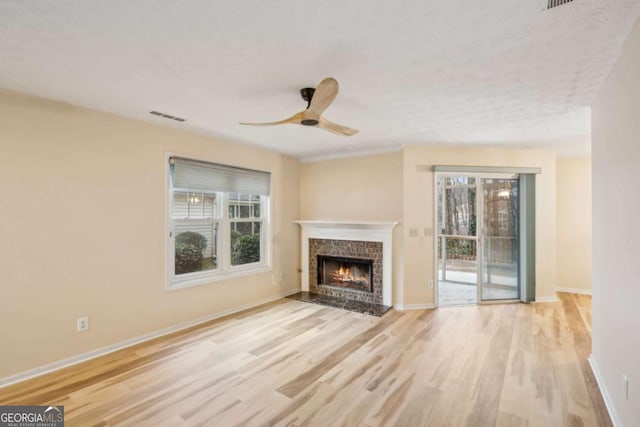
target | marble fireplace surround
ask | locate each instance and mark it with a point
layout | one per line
(364, 231)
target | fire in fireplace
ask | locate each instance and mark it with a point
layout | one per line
(352, 273)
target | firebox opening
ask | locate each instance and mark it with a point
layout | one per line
(351, 273)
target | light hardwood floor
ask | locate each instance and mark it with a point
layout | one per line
(293, 363)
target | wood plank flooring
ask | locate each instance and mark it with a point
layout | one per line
(296, 364)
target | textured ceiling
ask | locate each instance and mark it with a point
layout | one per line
(486, 72)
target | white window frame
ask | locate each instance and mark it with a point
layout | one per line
(224, 270)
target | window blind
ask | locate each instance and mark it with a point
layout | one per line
(480, 169)
(203, 176)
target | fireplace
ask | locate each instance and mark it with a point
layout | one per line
(345, 272)
(348, 269)
(355, 241)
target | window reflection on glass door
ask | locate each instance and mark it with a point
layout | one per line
(500, 242)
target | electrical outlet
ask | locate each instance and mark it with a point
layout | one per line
(82, 324)
(625, 386)
(428, 232)
(430, 284)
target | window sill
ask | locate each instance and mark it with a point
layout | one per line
(177, 284)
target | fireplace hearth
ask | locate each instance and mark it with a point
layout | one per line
(345, 272)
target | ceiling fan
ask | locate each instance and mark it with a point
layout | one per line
(318, 100)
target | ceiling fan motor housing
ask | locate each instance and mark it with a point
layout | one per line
(307, 95)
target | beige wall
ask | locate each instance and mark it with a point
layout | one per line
(574, 224)
(365, 188)
(82, 230)
(616, 233)
(419, 212)
(358, 188)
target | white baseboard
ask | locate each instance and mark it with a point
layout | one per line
(74, 360)
(575, 291)
(546, 299)
(605, 393)
(405, 307)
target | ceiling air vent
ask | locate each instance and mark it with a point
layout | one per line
(550, 4)
(167, 116)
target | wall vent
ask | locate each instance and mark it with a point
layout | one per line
(167, 116)
(550, 4)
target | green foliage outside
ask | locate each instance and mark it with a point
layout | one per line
(244, 249)
(188, 258)
(461, 249)
(190, 246)
(192, 238)
(234, 237)
(189, 249)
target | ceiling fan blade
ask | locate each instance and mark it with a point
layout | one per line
(336, 128)
(296, 119)
(323, 96)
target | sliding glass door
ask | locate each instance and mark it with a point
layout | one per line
(478, 238)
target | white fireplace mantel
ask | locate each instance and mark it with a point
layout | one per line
(365, 231)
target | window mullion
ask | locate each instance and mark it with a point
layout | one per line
(225, 239)
(170, 269)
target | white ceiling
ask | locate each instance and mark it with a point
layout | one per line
(486, 72)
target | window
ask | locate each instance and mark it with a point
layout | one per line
(217, 223)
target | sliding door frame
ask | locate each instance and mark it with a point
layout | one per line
(479, 172)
